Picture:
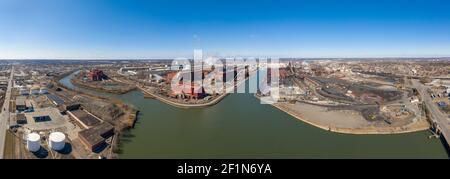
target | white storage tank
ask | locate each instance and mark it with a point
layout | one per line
(33, 142)
(57, 140)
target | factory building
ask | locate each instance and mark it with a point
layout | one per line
(55, 99)
(20, 103)
(72, 106)
(189, 90)
(192, 91)
(97, 75)
(95, 138)
(21, 119)
(170, 76)
(17, 120)
(84, 118)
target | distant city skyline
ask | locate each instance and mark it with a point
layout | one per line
(120, 29)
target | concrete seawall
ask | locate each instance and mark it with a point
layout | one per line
(181, 105)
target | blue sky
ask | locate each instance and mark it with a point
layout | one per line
(85, 29)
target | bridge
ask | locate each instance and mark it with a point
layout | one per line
(439, 120)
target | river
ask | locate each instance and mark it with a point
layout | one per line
(240, 127)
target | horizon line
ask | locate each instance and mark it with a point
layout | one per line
(414, 57)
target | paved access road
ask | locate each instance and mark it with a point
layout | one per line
(4, 115)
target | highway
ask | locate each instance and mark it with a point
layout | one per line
(4, 115)
(437, 116)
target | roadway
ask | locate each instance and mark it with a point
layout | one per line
(437, 116)
(4, 115)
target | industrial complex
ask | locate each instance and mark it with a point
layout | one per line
(44, 118)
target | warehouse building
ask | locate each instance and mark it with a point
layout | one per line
(95, 138)
(20, 103)
(55, 99)
(86, 119)
(72, 106)
(21, 119)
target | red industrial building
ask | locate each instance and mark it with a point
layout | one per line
(187, 90)
(170, 76)
(192, 91)
(97, 75)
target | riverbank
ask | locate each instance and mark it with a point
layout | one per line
(215, 100)
(345, 121)
(127, 120)
(122, 123)
(225, 130)
(182, 105)
(119, 87)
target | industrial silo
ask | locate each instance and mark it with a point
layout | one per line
(33, 142)
(57, 141)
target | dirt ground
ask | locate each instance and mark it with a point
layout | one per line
(345, 121)
(321, 116)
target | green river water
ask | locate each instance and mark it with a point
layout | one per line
(240, 127)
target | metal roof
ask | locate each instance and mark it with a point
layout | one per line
(57, 100)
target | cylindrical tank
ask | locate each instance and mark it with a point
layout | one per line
(57, 141)
(33, 142)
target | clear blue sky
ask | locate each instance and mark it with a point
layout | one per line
(173, 28)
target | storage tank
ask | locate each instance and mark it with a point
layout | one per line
(57, 140)
(33, 142)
